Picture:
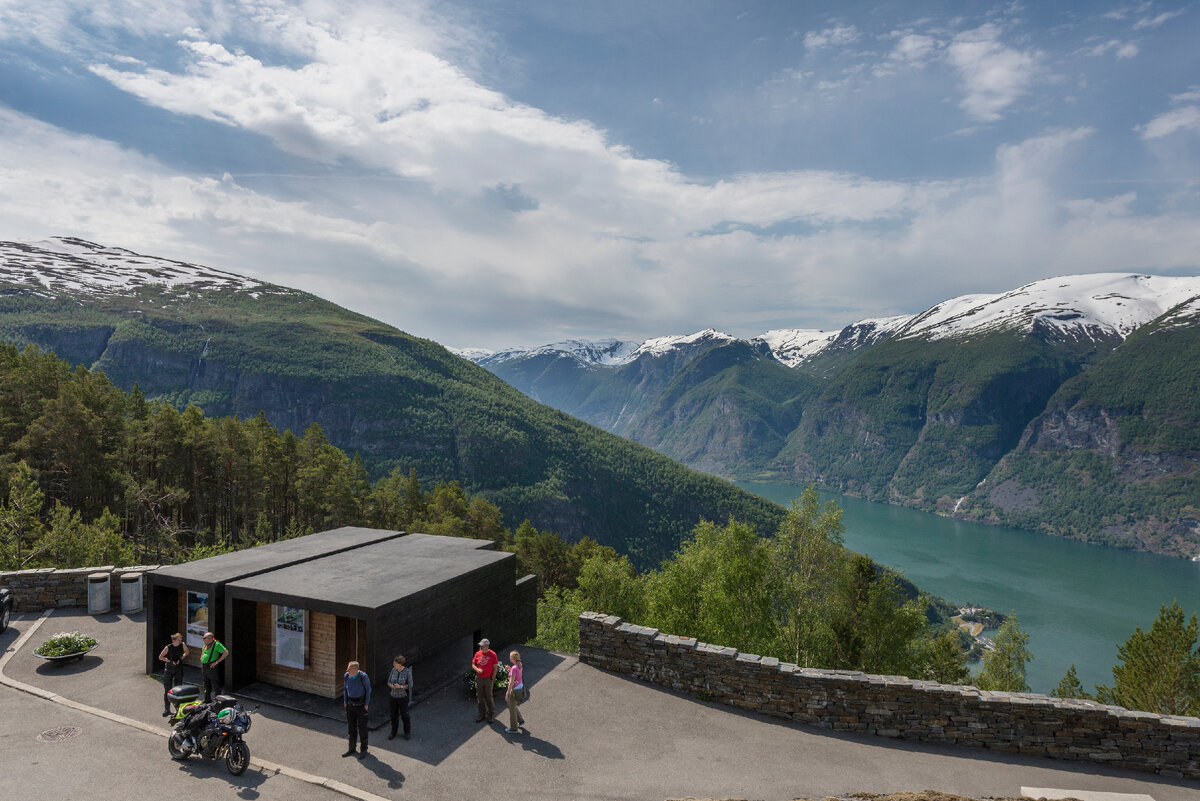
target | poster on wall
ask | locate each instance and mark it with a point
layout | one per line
(197, 618)
(290, 624)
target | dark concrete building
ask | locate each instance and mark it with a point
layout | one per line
(190, 598)
(294, 617)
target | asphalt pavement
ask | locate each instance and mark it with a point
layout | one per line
(589, 735)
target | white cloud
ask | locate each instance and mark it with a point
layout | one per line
(1122, 50)
(835, 36)
(913, 48)
(1156, 20)
(485, 213)
(994, 76)
(1185, 117)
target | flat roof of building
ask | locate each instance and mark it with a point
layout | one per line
(375, 575)
(273, 556)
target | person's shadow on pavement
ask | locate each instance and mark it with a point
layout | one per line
(394, 778)
(536, 745)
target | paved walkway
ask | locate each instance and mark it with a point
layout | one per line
(591, 735)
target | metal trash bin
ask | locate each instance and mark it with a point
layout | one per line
(99, 593)
(131, 592)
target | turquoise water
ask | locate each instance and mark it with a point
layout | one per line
(1076, 601)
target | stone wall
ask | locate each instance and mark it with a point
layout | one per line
(894, 706)
(46, 588)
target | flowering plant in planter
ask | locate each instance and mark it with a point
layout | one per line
(66, 643)
(499, 680)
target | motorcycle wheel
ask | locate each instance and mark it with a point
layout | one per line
(175, 747)
(237, 758)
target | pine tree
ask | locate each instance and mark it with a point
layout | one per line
(1004, 667)
(1159, 670)
(945, 660)
(1070, 686)
(20, 517)
(413, 506)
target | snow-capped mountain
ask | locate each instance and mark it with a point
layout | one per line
(793, 345)
(601, 352)
(606, 352)
(1103, 305)
(1098, 307)
(69, 266)
(661, 346)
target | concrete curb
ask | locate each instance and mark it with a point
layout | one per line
(263, 765)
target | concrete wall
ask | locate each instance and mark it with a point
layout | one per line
(421, 624)
(46, 588)
(892, 706)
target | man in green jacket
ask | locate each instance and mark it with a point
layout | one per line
(210, 665)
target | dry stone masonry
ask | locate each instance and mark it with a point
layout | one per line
(49, 588)
(894, 706)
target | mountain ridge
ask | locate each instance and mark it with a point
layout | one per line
(235, 346)
(934, 410)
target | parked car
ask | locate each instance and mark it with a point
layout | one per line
(6, 607)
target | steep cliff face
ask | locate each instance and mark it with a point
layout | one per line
(1115, 457)
(730, 408)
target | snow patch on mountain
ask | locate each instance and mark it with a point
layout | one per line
(1095, 306)
(1102, 306)
(472, 354)
(68, 266)
(793, 346)
(604, 352)
(1186, 314)
(660, 346)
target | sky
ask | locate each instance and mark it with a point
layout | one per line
(518, 172)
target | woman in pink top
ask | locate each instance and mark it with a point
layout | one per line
(515, 693)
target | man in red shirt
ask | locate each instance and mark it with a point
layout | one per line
(484, 665)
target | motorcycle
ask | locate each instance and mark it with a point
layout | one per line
(214, 731)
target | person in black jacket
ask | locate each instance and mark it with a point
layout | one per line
(357, 699)
(172, 656)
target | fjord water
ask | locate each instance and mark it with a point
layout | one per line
(1076, 601)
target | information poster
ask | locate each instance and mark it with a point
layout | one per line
(290, 624)
(197, 618)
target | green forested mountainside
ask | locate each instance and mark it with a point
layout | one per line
(729, 407)
(926, 420)
(716, 405)
(1115, 458)
(392, 399)
(1074, 436)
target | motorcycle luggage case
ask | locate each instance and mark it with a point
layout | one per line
(183, 693)
(223, 702)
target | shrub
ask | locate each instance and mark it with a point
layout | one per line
(66, 642)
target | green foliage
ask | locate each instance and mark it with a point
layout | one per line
(20, 517)
(717, 588)
(806, 552)
(1004, 667)
(558, 614)
(65, 643)
(1159, 670)
(797, 596)
(875, 630)
(944, 660)
(92, 475)
(396, 400)
(609, 583)
(1070, 686)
